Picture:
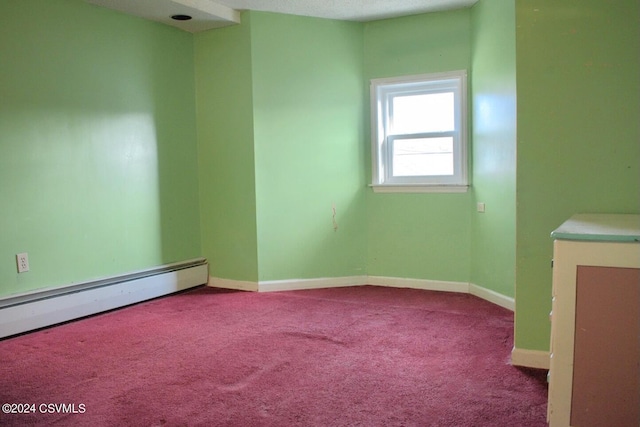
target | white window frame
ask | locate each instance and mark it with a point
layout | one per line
(382, 93)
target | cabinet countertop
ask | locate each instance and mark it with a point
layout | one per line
(600, 227)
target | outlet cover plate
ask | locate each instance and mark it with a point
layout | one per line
(23, 262)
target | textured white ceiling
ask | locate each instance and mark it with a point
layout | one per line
(206, 14)
(209, 14)
(350, 10)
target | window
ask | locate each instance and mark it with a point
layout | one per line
(419, 133)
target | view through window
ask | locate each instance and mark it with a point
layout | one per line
(419, 130)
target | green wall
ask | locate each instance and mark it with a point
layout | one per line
(308, 122)
(308, 105)
(424, 236)
(493, 139)
(98, 146)
(226, 150)
(280, 103)
(578, 133)
(114, 157)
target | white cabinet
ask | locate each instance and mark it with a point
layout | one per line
(594, 377)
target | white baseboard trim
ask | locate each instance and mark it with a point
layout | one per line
(492, 296)
(324, 282)
(38, 309)
(239, 285)
(428, 285)
(530, 358)
(335, 282)
(286, 285)
(394, 282)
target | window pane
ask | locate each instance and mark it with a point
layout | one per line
(423, 113)
(423, 156)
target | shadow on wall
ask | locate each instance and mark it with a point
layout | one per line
(98, 150)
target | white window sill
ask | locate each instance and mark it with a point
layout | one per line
(418, 188)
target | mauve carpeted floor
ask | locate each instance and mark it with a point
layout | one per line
(357, 356)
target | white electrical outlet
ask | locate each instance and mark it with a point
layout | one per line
(23, 262)
(480, 207)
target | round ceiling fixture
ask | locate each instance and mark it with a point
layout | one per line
(181, 17)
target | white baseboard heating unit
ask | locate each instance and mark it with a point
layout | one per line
(32, 310)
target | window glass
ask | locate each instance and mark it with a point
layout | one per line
(423, 156)
(419, 132)
(423, 113)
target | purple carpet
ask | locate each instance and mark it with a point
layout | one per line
(357, 356)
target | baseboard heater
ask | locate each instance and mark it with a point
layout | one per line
(33, 310)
